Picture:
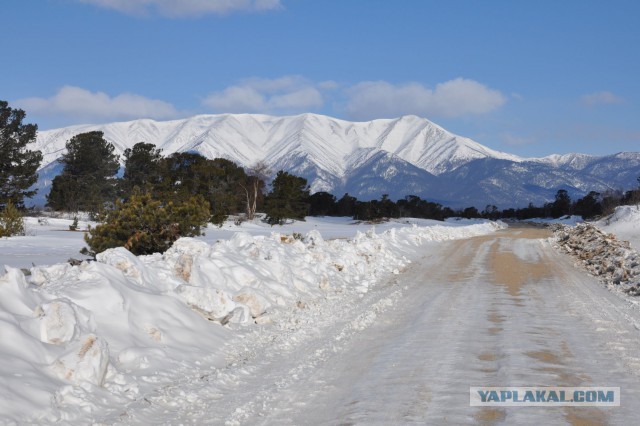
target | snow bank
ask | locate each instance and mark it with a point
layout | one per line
(77, 339)
(624, 223)
(564, 220)
(603, 255)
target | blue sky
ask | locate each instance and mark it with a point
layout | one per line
(531, 78)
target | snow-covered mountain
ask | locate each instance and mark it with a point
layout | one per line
(407, 155)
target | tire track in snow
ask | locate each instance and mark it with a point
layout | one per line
(487, 311)
(499, 310)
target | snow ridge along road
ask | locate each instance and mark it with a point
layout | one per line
(497, 310)
(82, 343)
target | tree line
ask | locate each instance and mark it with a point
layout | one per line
(591, 206)
(89, 181)
(156, 198)
(160, 198)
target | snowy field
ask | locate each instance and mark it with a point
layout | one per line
(625, 224)
(565, 220)
(81, 342)
(49, 240)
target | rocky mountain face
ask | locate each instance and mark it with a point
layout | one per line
(404, 156)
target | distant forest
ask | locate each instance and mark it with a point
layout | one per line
(89, 183)
(590, 206)
(159, 199)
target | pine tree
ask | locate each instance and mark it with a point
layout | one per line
(562, 204)
(346, 206)
(142, 167)
(18, 165)
(11, 221)
(589, 206)
(288, 199)
(219, 181)
(87, 181)
(322, 204)
(143, 225)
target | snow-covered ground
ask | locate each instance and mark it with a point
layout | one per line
(502, 310)
(47, 241)
(565, 220)
(55, 243)
(608, 249)
(625, 224)
(80, 342)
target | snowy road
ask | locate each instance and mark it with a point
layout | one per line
(498, 310)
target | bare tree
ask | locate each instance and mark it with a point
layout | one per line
(258, 174)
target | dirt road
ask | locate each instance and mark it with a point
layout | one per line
(499, 310)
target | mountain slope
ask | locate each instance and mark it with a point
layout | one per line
(402, 156)
(247, 138)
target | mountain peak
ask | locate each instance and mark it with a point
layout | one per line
(396, 155)
(249, 138)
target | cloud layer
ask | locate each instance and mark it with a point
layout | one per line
(362, 101)
(280, 96)
(453, 98)
(84, 105)
(601, 98)
(185, 8)
(290, 94)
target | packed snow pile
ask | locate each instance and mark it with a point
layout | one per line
(564, 220)
(76, 339)
(603, 255)
(624, 223)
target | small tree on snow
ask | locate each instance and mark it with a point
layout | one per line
(11, 221)
(143, 225)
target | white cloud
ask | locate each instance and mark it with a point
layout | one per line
(601, 98)
(453, 98)
(236, 99)
(289, 94)
(303, 98)
(84, 105)
(365, 100)
(185, 8)
(328, 85)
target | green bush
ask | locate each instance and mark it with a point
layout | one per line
(11, 221)
(143, 225)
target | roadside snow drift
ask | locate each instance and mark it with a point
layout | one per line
(76, 339)
(613, 261)
(625, 224)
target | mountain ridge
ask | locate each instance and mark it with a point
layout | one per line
(331, 153)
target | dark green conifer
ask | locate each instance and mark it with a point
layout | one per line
(288, 199)
(18, 165)
(143, 225)
(88, 179)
